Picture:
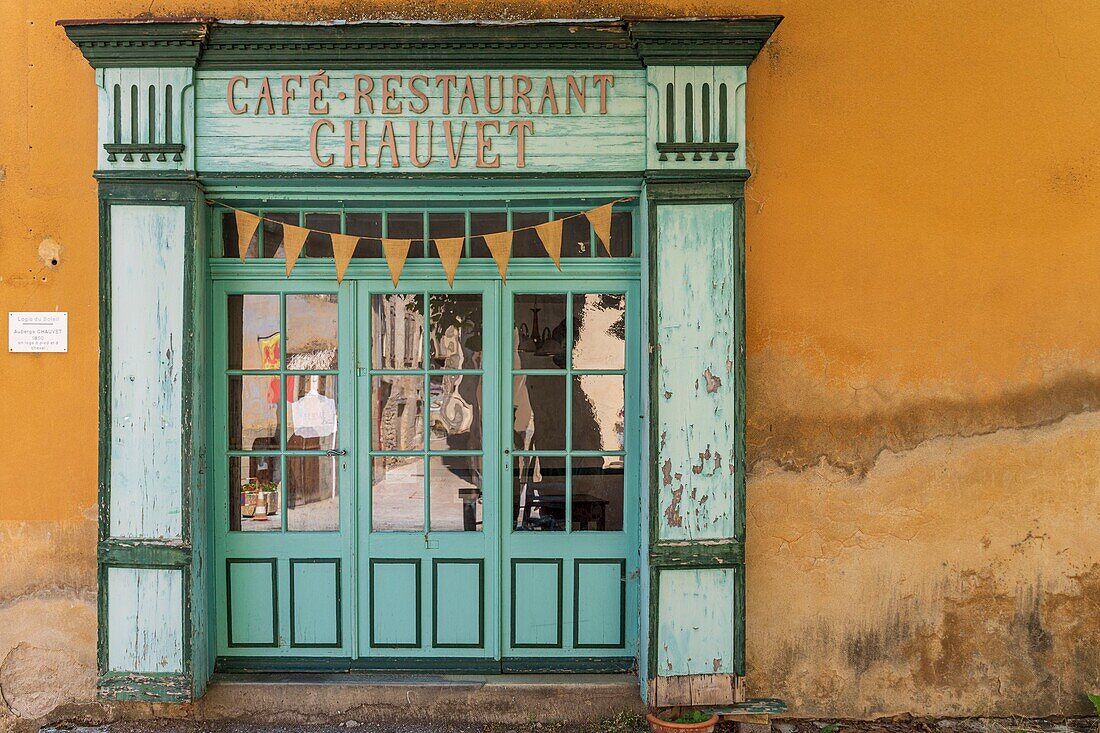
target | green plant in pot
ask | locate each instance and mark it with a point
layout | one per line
(681, 720)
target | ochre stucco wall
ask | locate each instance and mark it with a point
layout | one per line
(923, 352)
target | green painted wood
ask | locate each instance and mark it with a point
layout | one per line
(252, 602)
(145, 620)
(537, 603)
(591, 138)
(395, 603)
(697, 356)
(697, 632)
(458, 598)
(315, 600)
(599, 603)
(146, 443)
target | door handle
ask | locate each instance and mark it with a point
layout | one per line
(341, 452)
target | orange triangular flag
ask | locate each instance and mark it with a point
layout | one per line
(550, 234)
(500, 245)
(601, 222)
(343, 247)
(294, 238)
(450, 249)
(397, 251)
(246, 229)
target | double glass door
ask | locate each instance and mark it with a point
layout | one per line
(478, 507)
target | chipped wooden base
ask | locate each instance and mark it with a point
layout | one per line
(696, 690)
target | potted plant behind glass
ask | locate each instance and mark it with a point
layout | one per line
(677, 720)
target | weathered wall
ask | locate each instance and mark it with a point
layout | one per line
(924, 348)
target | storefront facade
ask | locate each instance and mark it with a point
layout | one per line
(357, 457)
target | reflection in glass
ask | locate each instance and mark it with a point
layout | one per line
(597, 493)
(255, 484)
(311, 412)
(313, 496)
(254, 413)
(365, 224)
(598, 412)
(319, 243)
(455, 493)
(538, 412)
(397, 331)
(397, 413)
(407, 225)
(485, 222)
(455, 330)
(273, 232)
(455, 415)
(253, 326)
(599, 331)
(397, 494)
(622, 235)
(539, 331)
(526, 242)
(576, 234)
(538, 493)
(311, 331)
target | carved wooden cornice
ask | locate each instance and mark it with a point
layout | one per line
(608, 44)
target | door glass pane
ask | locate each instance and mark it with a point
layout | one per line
(455, 330)
(255, 483)
(598, 412)
(365, 224)
(311, 412)
(254, 413)
(273, 232)
(540, 331)
(485, 222)
(397, 413)
(313, 496)
(408, 225)
(253, 328)
(538, 412)
(597, 493)
(455, 486)
(599, 331)
(311, 331)
(398, 331)
(526, 242)
(397, 494)
(538, 493)
(455, 412)
(622, 235)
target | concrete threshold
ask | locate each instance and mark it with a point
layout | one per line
(383, 697)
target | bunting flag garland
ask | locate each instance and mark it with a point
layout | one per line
(294, 238)
(600, 218)
(550, 234)
(246, 227)
(397, 251)
(343, 247)
(449, 249)
(500, 246)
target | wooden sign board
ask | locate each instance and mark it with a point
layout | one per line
(421, 122)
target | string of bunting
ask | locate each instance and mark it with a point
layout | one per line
(397, 250)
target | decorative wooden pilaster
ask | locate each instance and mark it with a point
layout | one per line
(694, 191)
(152, 595)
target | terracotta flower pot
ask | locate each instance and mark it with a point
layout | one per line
(656, 725)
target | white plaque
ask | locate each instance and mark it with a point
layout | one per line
(38, 332)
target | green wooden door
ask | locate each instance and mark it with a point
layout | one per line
(429, 454)
(426, 477)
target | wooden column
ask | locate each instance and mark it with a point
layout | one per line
(694, 192)
(152, 596)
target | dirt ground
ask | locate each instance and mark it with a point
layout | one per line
(627, 723)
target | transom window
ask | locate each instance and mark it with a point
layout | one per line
(578, 239)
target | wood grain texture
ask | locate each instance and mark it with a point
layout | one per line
(587, 140)
(697, 629)
(696, 359)
(146, 449)
(145, 620)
